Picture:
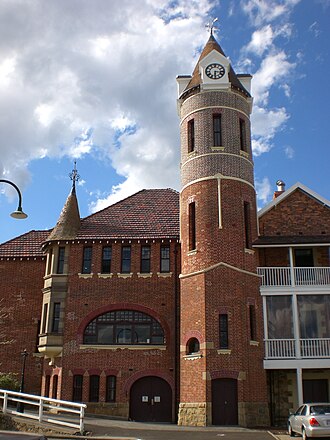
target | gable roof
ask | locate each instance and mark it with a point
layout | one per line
(152, 213)
(25, 245)
(288, 192)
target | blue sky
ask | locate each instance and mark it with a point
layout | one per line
(94, 80)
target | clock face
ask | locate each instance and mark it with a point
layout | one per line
(215, 71)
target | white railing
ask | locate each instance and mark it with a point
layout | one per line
(280, 348)
(315, 348)
(296, 276)
(286, 348)
(43, 409)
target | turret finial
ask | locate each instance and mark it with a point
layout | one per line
(74, 176)
(211, 26)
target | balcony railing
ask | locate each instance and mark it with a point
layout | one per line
(287, 349)
(296, 276)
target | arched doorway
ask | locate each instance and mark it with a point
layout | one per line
(224, 402)
(151, 400)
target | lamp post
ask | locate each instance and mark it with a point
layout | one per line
(20, 405)
(18, 214)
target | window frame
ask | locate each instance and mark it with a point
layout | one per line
(106, 259)
(165, 260)
(242, 135)
(124, 260)
(77, 387)
(223, 331)
(217, 131)
(110, 388)
(56, 317)
(191, 135)
(247, 225)
(60, 260)
(252, 322)
(94, 388)
(145, 265)
(192, 226)
(87, 260)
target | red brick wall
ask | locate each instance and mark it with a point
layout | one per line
(21, 283)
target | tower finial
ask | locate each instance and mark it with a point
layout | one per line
(74, 176)
(211, 26)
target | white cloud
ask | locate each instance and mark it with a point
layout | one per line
(289, 152)
(263, 189)
(266, 11)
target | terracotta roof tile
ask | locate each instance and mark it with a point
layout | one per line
(26, 245)
(152, 213)
(292, 239)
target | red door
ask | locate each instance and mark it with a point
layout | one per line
(151, 400)
(224, 402)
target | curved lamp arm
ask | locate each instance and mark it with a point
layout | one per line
(18, 214)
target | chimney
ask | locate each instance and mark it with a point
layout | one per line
(280, 189)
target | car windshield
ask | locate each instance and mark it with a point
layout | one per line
(320, 409)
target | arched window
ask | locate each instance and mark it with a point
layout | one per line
(124, 327)
(192, 346)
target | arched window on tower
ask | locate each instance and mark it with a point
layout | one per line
(124, 327)
(192, 346)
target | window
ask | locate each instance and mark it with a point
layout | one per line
(44, 318)
(55, 383)
(247, 225)
(110, 392)
(192, 226)
(165, 259)
(60, 260)
(193, 346)
(279, 317)
(223, 330)
(47, 385)
(77, 388)
(56, 317)
(49, 261)
(126, 259)
(242, 135)
(94, 388)
(106, 259)
(191, 135)
(303, 257)
(124, 327)
(252, 322)
(87, 260)
(314, 316)
(145, 259)
(217, 141)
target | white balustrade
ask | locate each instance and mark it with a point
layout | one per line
(315, 348)
(285, 348)
(280, 349)
(303, 276)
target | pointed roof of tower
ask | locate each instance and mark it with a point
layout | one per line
(196, 80)
(68, 223)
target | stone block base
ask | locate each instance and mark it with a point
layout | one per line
(253, 414)
(192, 414)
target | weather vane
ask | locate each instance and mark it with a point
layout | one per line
(211, 26)
(74, 176)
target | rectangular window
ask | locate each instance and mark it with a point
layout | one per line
(247, 225)
(87, 260)
(47, 385)
(165, 259)
(217, 130)
(223, 330)
(56, 317)
(126, 259)
(191, 135)
(94, 388)
(279, 317)
(106, 259)
(192, 226)
(55, 386)
(242, 135)
(60, 260)
(44, 318)
(77, 388)
(145, 259)
(252, 321)
(110, 395)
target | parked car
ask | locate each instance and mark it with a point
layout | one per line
(310, 420)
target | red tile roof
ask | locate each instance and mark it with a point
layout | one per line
(26, 245)
(152, 213)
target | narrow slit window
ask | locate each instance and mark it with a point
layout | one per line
(110, 389)
(252, 320)
(94, 388)
(87, 260)
(192, 226)
(56, 317)
(247, 225)
(242, 135)
(44, 318)
(165, 259)
(106, 259)
(191, 135)
(217, 138)
(126, 259)
(145, 259)
(60, 260)
(223, 331)
(77, 388)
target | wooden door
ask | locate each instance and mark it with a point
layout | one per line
(224, 402)
(151, 400)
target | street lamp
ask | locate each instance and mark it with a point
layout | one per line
(20, 405)
(18, 214)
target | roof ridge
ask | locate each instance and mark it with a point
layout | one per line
(25, 233)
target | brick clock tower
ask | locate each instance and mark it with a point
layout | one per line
(222, 381)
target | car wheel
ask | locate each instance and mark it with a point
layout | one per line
(290, 432)
(304, 435)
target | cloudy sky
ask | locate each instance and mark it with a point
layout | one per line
(94, 80)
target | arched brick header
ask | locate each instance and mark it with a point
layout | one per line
(224, 374)
(193, 334)
(158, 373)
(121, 306)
